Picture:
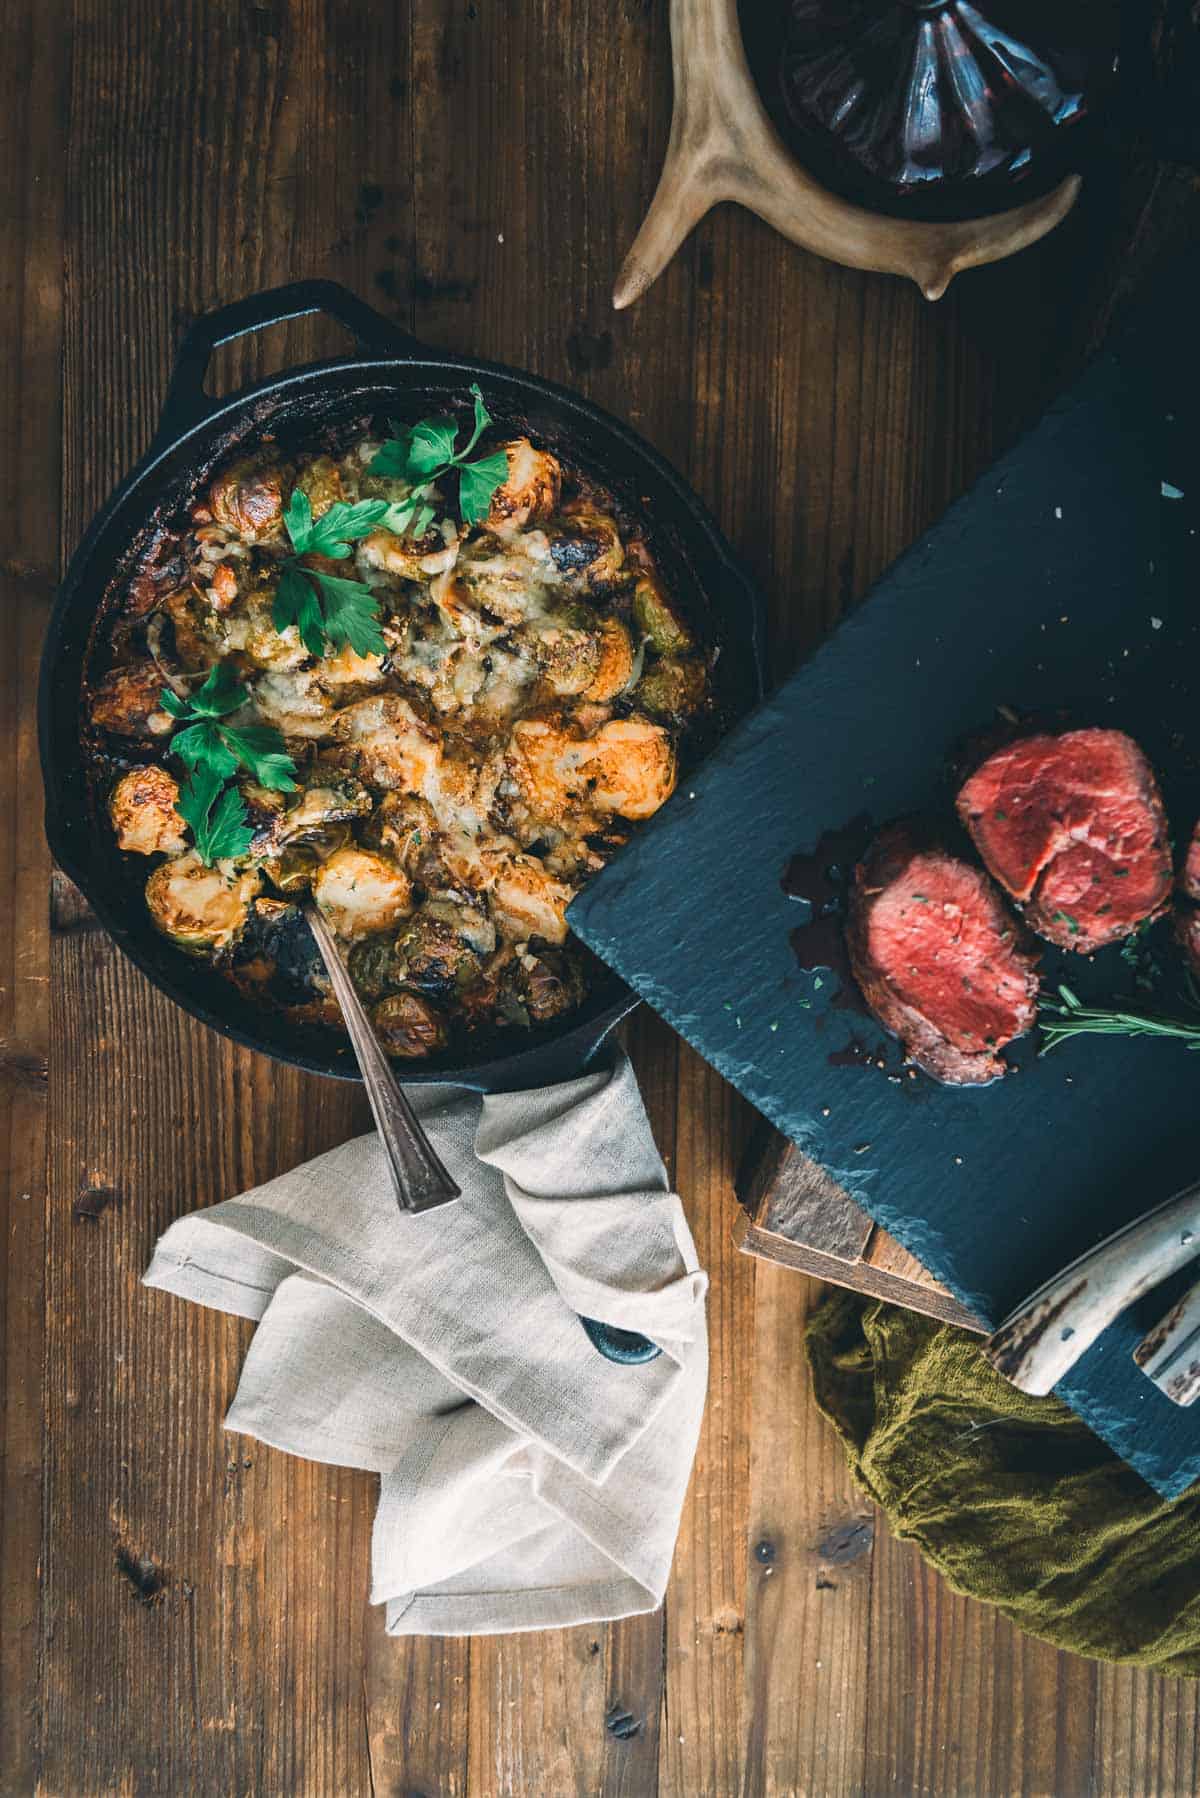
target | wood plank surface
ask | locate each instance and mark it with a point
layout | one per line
(186, 1611)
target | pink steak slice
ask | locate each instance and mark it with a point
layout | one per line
(1074, 827)
(940, 959)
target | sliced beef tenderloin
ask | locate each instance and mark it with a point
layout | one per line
(1187, 906)
(1074, 827)
(940, 959)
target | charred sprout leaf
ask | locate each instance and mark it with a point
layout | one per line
(1069, 1016)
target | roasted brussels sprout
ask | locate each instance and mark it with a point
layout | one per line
(657, 618)
(360, 892)
(374, 966)
(632, 767)
(295, 867)
(392, 747)
(247, 497)
(531, 490)
(585, 547)
(544, 985)
(412, 559)
(201, 909)
(672, 689)
(409, 1026)
(321, 481)
(251, 629)
(433, 950)
(569, 657)
(294, 702)
(404, 826)
(526, 901)
(614, 666)
(142, 809)
(328, 796)
(128, 702)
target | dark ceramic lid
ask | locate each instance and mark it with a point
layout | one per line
(939, 107)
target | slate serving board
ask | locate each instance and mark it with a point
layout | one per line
(1066, 581)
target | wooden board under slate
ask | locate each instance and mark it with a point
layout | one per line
(793, 1213)
(1068, 579)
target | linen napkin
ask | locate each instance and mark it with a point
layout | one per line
(525, 1481)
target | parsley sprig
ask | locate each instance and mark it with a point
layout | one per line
(423, 454)
(212, 750)
(325, 608)
(329, 610)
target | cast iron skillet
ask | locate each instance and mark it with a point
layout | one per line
(392, 374)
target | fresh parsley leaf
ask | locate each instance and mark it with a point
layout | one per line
(299, 520)
(426, 452)
(483, 418)
(391, 459)
(431, 447)
(324, 608)
(226, 832)
(351, 613)
(222, 748)
(477, 482)
(296, 603)
(200, 746)
(216, 815)
(342, 525)
(221, 694)
(172, 703)
(259, 747)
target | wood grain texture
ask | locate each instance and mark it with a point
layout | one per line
(187, 1611)
(31, 299)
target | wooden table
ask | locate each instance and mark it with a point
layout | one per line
(185, 1612)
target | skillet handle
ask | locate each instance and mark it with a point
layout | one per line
(187, 404)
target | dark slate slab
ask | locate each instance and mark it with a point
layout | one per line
(1067, 578)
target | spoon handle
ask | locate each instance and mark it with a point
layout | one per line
(418, 1176)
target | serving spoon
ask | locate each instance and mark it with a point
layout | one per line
(418, 1177)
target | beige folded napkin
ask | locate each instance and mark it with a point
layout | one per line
(526, 1482)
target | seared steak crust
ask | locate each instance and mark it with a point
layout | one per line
(940, 959)
(1074, 827)
(1187, 906)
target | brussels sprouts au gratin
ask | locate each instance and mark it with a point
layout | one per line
(431, 684)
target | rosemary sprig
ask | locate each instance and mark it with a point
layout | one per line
(1071, 1017)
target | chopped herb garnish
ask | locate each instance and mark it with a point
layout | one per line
(1064, 917)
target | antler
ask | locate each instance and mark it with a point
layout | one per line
(723, 147)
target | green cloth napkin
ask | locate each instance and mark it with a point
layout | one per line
(1011, 1498)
